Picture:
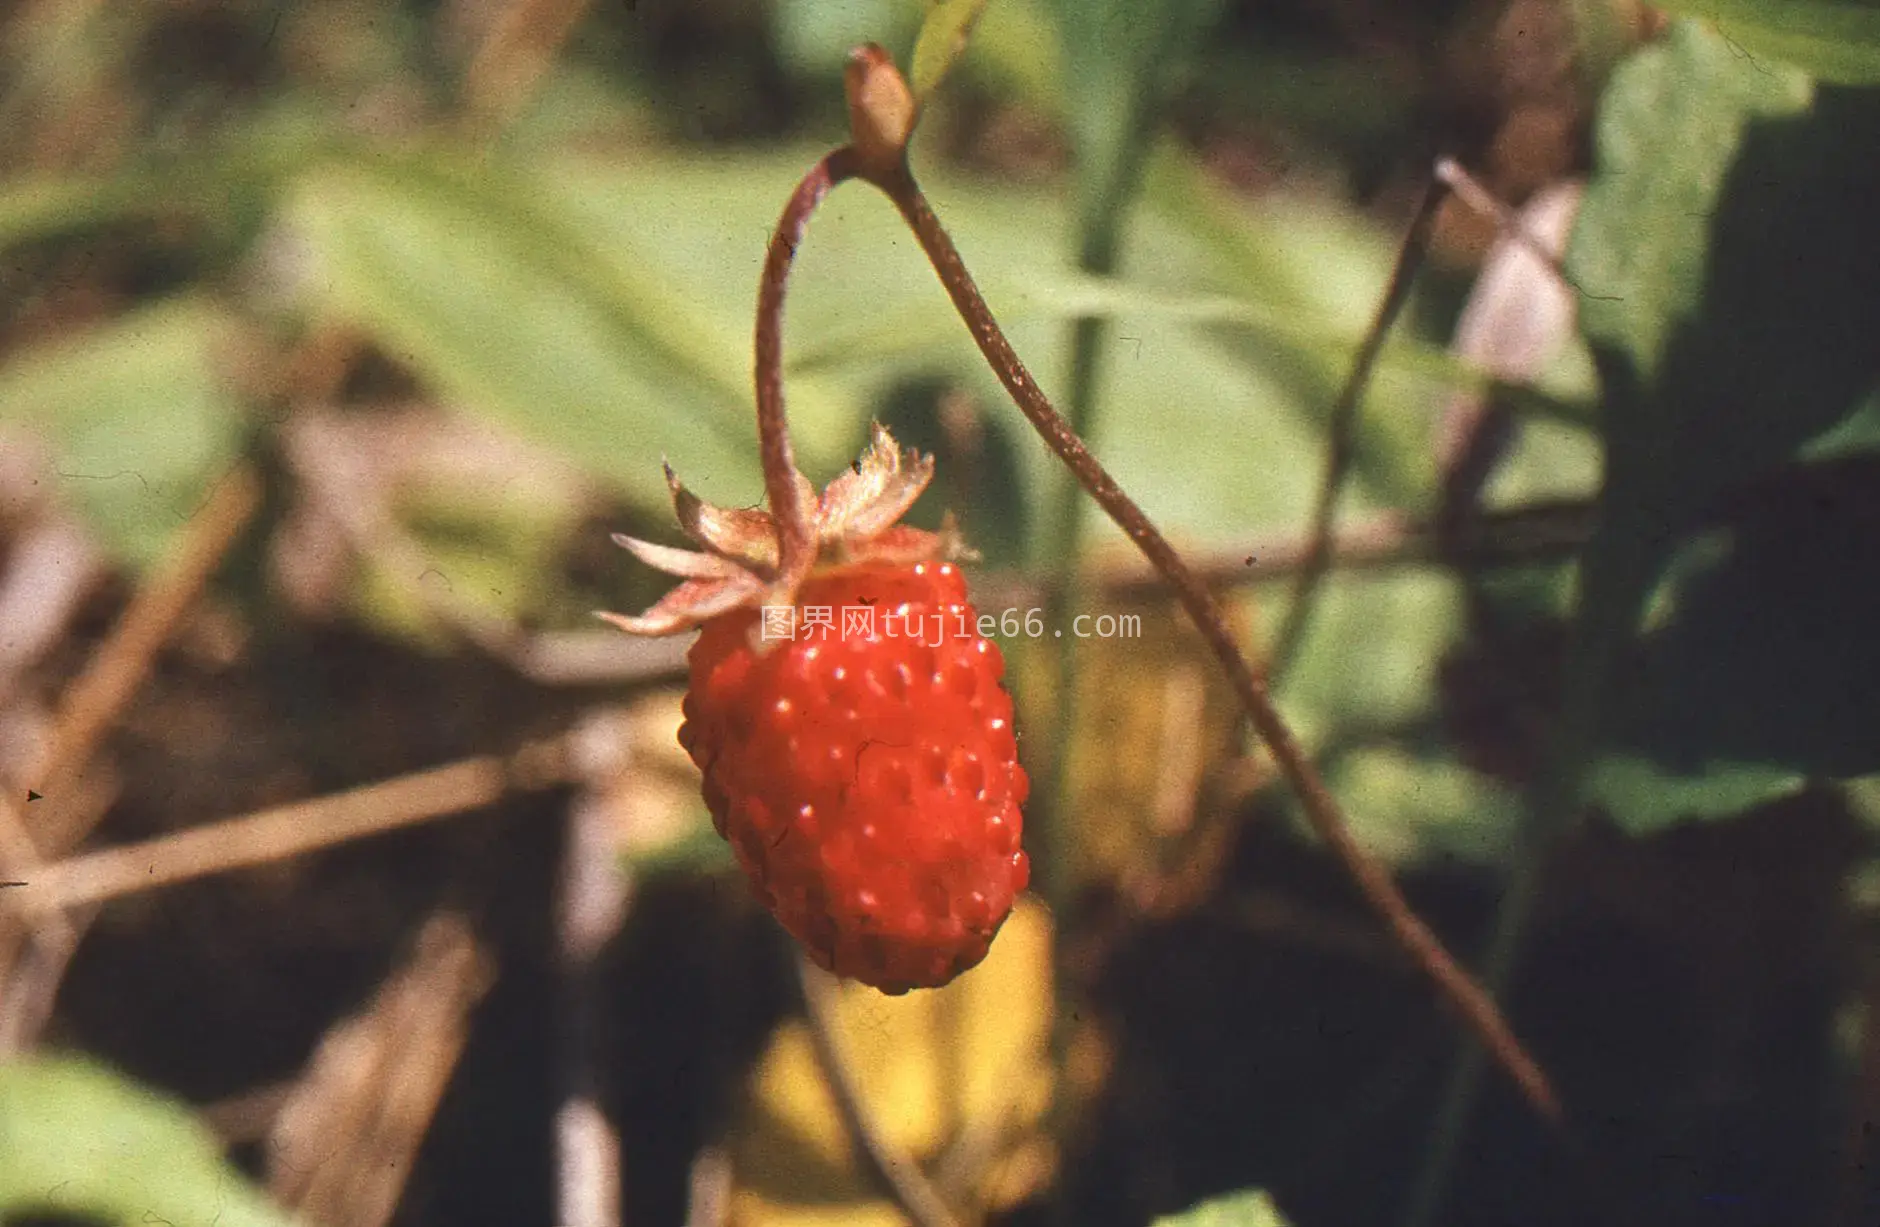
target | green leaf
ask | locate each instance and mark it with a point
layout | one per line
(500, 298)
(941, 43)
(1369, 660)
(1065, 295)
(699, 850)
(1406, 806)
(1642, 796)
(1863, 797)
(866, 316)
(77, 1139)
(1730, 267)
(1218, 381)
(491, 547)
(1122, 59)
(816, 36)
(139, 420)
(1730, 275)
(1834, 40)
(1248, 1208)
(1669, 127)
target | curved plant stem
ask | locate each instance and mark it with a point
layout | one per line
(785, 492)
(1478, 1010)
(1342, 433)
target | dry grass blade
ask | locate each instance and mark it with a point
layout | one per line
(290, 830)
(708, 1196)
(50, 572)
(345, 1139)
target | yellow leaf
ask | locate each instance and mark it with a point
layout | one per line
(968, 1061)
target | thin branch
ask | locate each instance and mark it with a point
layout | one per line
(32, 978)
(65, 800)
(1517, 536)
(289, 830)
(1342, 431)
(896, 1170)
(247, 1116)
(1477, 1008)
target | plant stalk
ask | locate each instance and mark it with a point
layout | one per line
(1463, 994)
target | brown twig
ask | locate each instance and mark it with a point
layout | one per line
(64, 806)
(896, 1170)
(289, 830)
(1342, 431)
(247, 1116)
(1515, 536)
(1477, 1008)
(122, 661)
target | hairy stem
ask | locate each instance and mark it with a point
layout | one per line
(797, 544)
(1477, 1008)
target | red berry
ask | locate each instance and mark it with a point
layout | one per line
(866, 776)
(868, 781)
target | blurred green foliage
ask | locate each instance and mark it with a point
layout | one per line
(145, 1157)
(1234, 1210)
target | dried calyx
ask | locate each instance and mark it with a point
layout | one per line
(855, 519)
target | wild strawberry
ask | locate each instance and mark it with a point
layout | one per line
(864, 769)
